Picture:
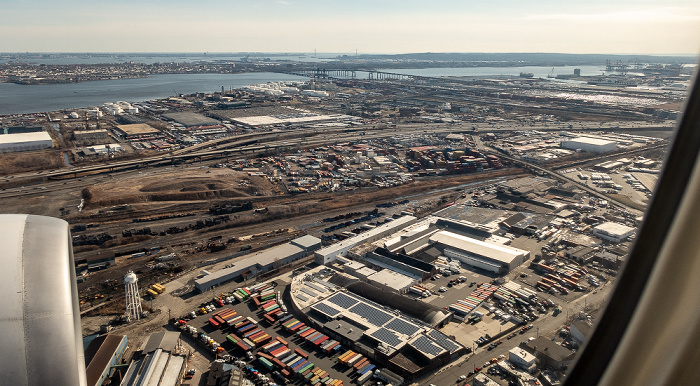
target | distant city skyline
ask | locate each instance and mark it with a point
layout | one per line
(378, 26)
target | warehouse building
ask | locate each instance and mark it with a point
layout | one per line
(85, 135)
(188, 119)
(101, 355)
(613, 232)
(403, 344)
(161, 361)
(527, 223)
(400, 263)
(10, 143)
(432, 315)
(329, 254)
(480, 254)
(387, 279)
(261, 262)
(588, 144)
(137, 131)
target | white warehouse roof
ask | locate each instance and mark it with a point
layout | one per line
(592, 144)
(614, 229)
(25, 141)
(592, 141)
(25, 137)
(392, 279)
(501, 253)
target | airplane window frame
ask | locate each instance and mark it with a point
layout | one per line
(681, 158)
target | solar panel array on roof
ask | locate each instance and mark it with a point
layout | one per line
(442, 340)
(423, 344)
(342, 300)
(326, 309)
(386, 336)
(374, 316)
(316, 287)
(302, 297)
(325, 283)
(308, 291)
(402, 327)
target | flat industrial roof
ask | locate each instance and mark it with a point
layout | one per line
(356, 240)
(262, 258)
(347, 311)
(352, 264)
(501, 253)
(191, 119)
(392, 279)
(613, 228)
(137, 129)
(549, 348)
(365, 271)
(307, 241)
(24, 137)
(263, 120)
(592, 141)
(166, 340)
(522, 354)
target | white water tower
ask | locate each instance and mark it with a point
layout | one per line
(133, 300)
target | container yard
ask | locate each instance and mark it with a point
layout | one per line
(281, 345)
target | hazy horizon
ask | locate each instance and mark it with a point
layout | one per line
(377, 26)
(331, 53)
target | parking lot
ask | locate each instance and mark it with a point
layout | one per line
(636, 186)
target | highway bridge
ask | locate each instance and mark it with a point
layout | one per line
(365, 74)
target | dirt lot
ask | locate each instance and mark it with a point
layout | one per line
(30, 161)
(180, 185)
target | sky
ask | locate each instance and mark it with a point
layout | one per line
(368, 26)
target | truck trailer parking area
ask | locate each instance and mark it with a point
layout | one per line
(250, 324)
